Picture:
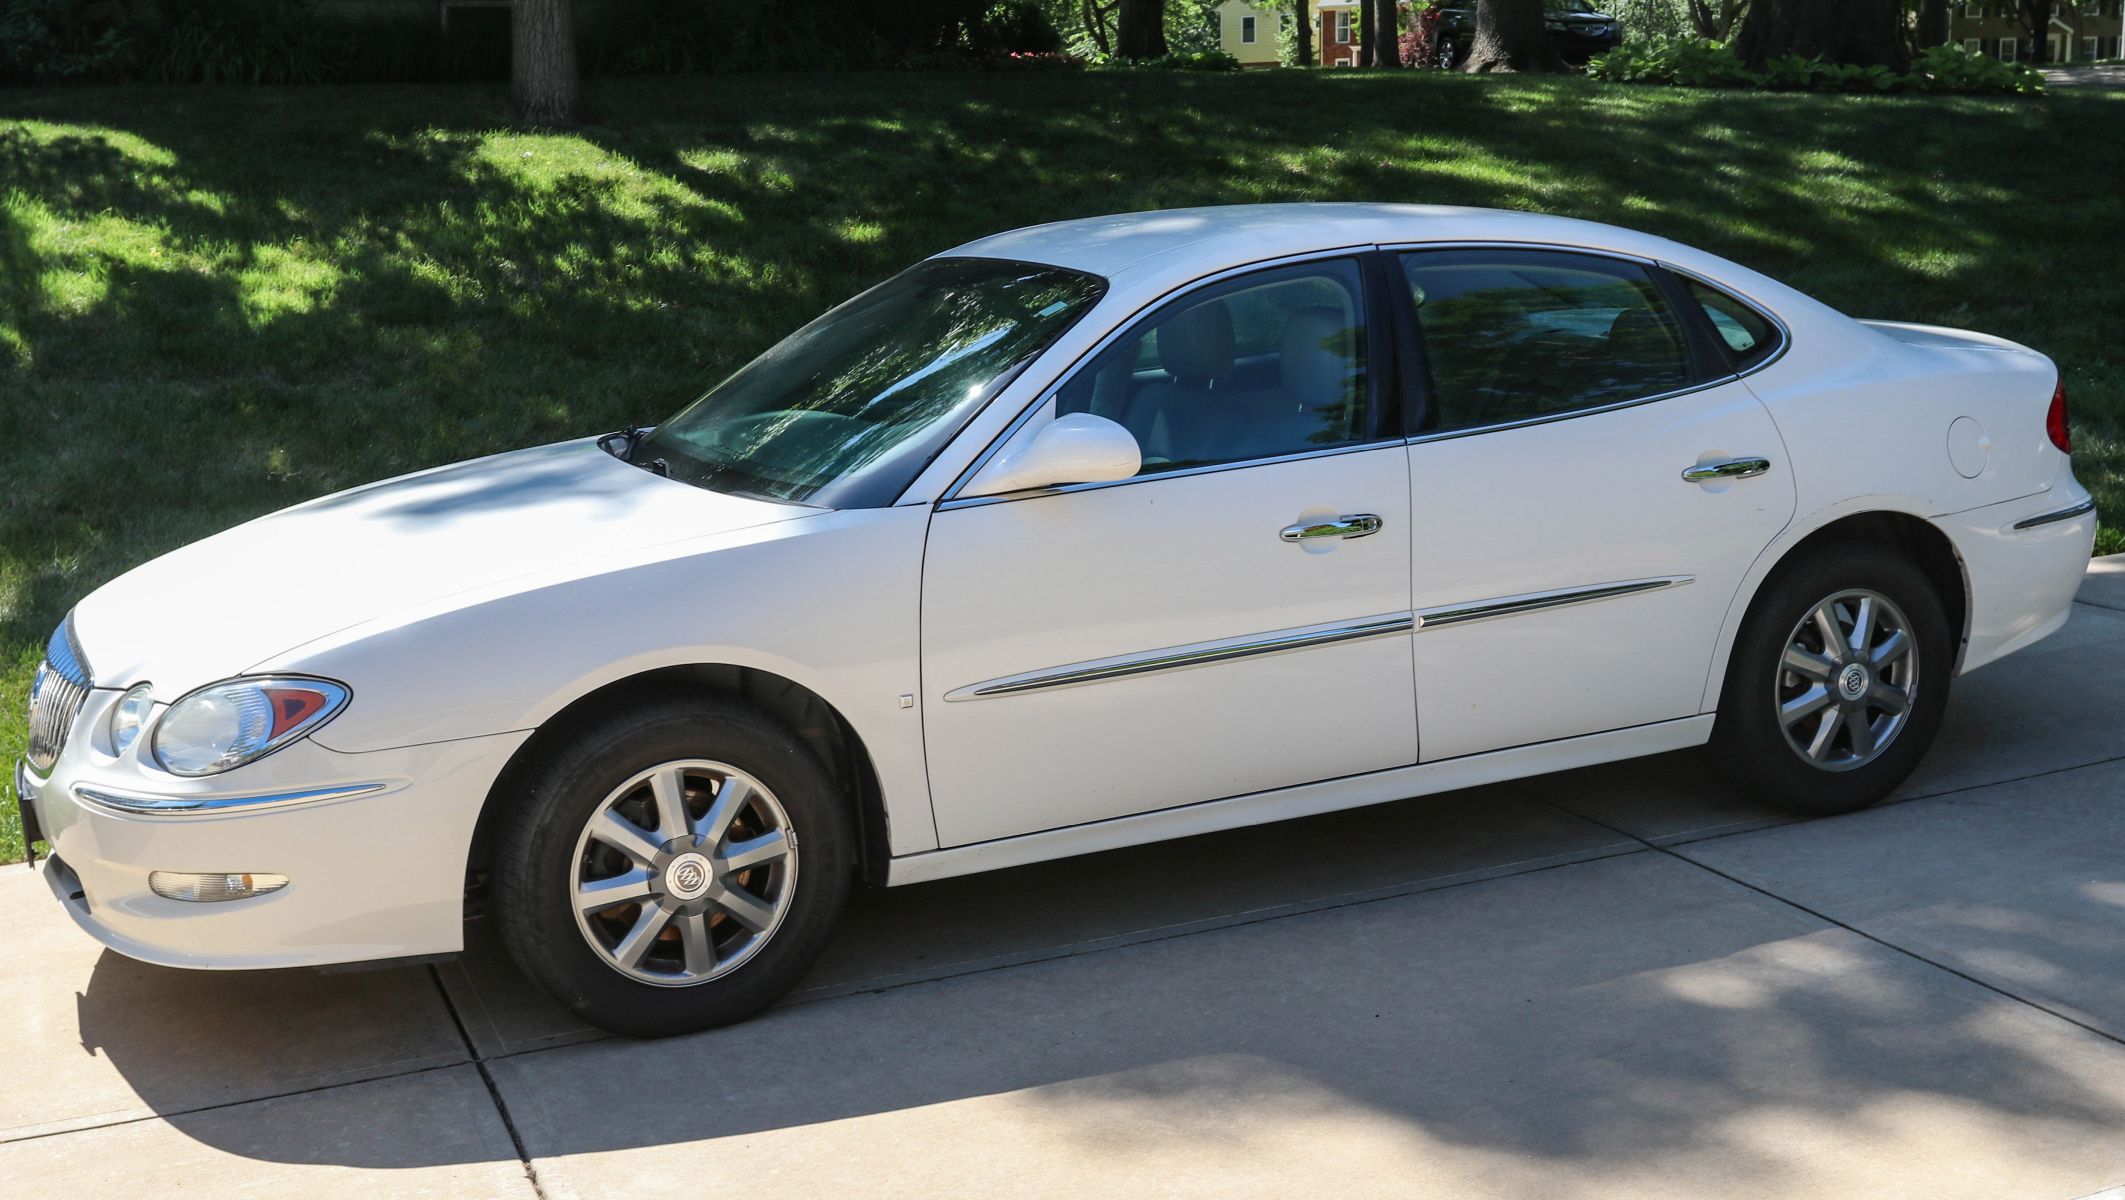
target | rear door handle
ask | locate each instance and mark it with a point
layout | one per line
(1350, 525)
(1733, 468)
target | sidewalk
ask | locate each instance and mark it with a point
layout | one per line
(1617, 982)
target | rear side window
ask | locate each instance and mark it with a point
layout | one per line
(1748, 335)
(1512, 335)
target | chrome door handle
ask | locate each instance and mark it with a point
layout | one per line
(1733, 468)
(1352, 525)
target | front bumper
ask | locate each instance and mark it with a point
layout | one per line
(374, 846)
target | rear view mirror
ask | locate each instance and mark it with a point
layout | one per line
(1073, 448)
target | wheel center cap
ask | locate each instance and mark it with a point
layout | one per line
(1853, 681)
(688, 876)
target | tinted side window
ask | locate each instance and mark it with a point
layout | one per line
(1514, 334)
(1264, 365)
(1747, 334)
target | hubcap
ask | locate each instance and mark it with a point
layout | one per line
(684, 872)
(1847, 680)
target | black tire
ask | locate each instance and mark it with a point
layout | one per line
(1449, 55)
(1750, 741)
(533, 865)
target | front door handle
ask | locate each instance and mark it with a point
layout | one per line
(1733, 468)
(1350, 525)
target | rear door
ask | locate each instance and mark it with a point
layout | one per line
(1589, 482)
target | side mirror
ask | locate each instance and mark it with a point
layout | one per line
(1073, 448)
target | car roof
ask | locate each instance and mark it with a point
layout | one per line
(1185, 243)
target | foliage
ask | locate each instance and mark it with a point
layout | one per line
(1420, 39)
(218, 302)
(1642, 19)
(1183, 60)
(242, 41)
(1698, 62)
(55, 41)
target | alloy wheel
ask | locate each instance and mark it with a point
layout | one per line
(1847, 679)
(683, 873)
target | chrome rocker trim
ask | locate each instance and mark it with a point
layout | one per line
(128, 804)
(1182, 658)
(2051, 518)
(1512, 606)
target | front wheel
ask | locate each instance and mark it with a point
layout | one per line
(672, 867)
(1449, 55)
(1838, 681)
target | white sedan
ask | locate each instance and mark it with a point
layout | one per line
(1070, 538)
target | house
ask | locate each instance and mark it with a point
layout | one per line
(1248, 32)
(1335, 32)
(2080, 30)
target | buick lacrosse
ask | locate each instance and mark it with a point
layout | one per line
(1070, 538)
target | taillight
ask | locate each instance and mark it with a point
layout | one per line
(2055, 423)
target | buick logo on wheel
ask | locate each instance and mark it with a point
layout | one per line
(687, 877)
(1853, 681)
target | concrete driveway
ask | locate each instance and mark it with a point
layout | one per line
(1619, 982)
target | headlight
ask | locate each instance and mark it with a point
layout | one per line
(128, 715)
(228, 724)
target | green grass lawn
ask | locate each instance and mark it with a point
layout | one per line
(214, 303)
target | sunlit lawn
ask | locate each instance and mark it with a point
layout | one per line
(214, 303)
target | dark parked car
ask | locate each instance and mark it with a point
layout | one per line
(1576, 28)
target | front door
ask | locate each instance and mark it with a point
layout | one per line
(1589, 484)
(1235, 618)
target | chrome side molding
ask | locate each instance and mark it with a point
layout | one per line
(1183, 658)
(1205, 654)
(1509, 606)
(128, 804)
(2065, 514)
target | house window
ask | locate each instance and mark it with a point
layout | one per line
(1247, 30)
(1973, 45)
(2087, 49)
(1343, 27)
(1975, 10)
(2007, 49)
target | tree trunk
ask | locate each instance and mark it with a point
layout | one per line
(1141, 30)
(2036, 20)
(1383, 42)
(1715, 18)
(1096, 27)
(1932, 23)
(1305, 32)
(543, 88)
(1864, 33)
(1510, 37)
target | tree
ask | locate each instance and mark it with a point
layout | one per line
(1302, 29)
(2036, 23)
(1510, 37)
(1140, 31)
(1864, 33)
(1931, 26)
(1379, 43)
(543, 87)
(1716, 19)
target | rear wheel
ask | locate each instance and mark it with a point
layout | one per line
(672, 867)
(1838, 680)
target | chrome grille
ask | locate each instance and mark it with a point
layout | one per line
(57, 692)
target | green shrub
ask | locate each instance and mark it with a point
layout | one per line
(1699, 62)
(1184, 60)
(244, 41)
(63, 41)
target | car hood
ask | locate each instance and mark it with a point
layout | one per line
(220, 606)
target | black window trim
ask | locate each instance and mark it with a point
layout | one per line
(1410, 337)
(1694, 310)
(1381, 364)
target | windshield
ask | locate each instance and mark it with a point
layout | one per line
(849, 409)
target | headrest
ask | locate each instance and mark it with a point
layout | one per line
(1317, 357)
(1640, 325)
(1195, 346)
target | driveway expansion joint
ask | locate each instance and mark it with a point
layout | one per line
(494, 1093)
